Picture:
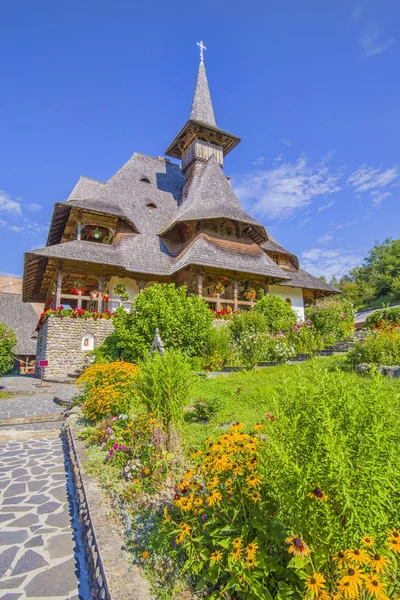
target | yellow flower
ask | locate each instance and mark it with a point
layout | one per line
(167, 516)
(394, 545)
(214, 497)
(354, 576)
(375, 587)
(393, 533)
(237, 427)
(315, 583)
(255, 496)
(297, 546)
(236, 554)
(357, 556)
(348, 591)
(185, 529)
(378, 562)
(258, 427)
(237, 469)
(340, 558)
(215, 557)
(250, 563)
(318, 495)
(368, 541)
(179, 539)
(253, 480)
(213, 483)
(251, 550)
(237, 543)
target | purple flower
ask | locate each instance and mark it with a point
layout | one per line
(121, 447)
(115, 446)
(203, 517)
(109, 430)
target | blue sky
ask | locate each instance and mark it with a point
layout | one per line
(312, 89)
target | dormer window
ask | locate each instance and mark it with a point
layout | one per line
(151, 205)
(95, 233)
(145, 179)
(275, 258)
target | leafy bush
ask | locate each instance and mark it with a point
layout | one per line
(305, 338)
(223, 522)
(206, 408)
(333, 319)
(250, 335)
(8, 342)
(107, 389)
(332, 461)
(163, 386)
(279, 316)
(184, 322)
(381, 347)
(390, 315)
(220, 349)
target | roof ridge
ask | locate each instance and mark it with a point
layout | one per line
(91, 179)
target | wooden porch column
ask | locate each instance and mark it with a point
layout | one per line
(218, 303)
(200, 284)
(79, 231)
(266, 289)
(235, 294)
(141, 284)
(100, 282)
(79, 303)
(60, 276)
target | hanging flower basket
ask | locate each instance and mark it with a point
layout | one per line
(120, 290)
(97, 234)
(78, 288)
(250, 294)
(106, 297)
(94, 294)
(218, 288)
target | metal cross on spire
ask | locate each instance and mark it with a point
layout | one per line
(202, 47)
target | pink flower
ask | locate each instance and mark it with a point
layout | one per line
(115, 446)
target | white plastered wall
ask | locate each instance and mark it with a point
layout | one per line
(294, 294)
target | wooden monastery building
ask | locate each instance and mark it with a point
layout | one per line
(159, 221)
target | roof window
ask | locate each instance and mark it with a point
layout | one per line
(151, 205)
(145, 179)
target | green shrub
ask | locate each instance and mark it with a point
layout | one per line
(332, 318)
(391, 315)
(250, 335)
(279, 316)
(163, 386)
(305, 338)
(206, 408)
(334, 434)
(220, 350)
(379, 348)
(184, 322)
(108, 351)
(8, 342)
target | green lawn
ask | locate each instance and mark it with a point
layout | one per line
(245, 396)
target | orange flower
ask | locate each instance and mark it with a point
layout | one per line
(145, 554)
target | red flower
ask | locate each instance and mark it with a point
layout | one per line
(270, 417)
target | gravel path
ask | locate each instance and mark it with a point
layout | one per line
(41, 553)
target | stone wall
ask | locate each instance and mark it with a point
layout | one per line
(60, 342)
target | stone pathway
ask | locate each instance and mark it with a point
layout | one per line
(41, 553)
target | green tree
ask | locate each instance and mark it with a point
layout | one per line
(278, 314)
(8, 342)
(184, 322)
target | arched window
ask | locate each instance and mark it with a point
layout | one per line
(87, 342)
(288, 300)
(145, 179)
(151, 205)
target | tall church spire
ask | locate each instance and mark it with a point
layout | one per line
(202, 108)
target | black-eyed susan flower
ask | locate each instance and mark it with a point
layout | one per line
(215, 557)
(354, 576)
(236, 554)
(318, 495)
(251, 550)
(214, 497)
(250, 563)
(340, 558)
(237, 542)
(348, 591)
(360, 557)
(258, 427)
(297, 546)
(393, 544)
(394, 533)
(379, 562)
(255, 497)
(375, 587)
(253, 481)
(368, 541)
(315, 583)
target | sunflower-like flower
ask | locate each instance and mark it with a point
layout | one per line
(318, 495)
(340, 558)
(255, 496)
(348, 591)
(258, 427)
(250, 563)
(394, 533)
(214, 497)
(393, 544)
(236, 554)
(379, 562)
(315, 584)
(375, 587)
(214, 481)
(237, 542)
(215, 557)
(368, 541)
(253, 481)
(251, 550)
(360, 557)
(354, 576)
(297, 546)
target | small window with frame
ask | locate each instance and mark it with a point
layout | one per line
(275, 258)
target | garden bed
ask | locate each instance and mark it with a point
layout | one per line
(325, 448)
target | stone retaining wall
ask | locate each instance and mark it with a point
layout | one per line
(60, 342)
